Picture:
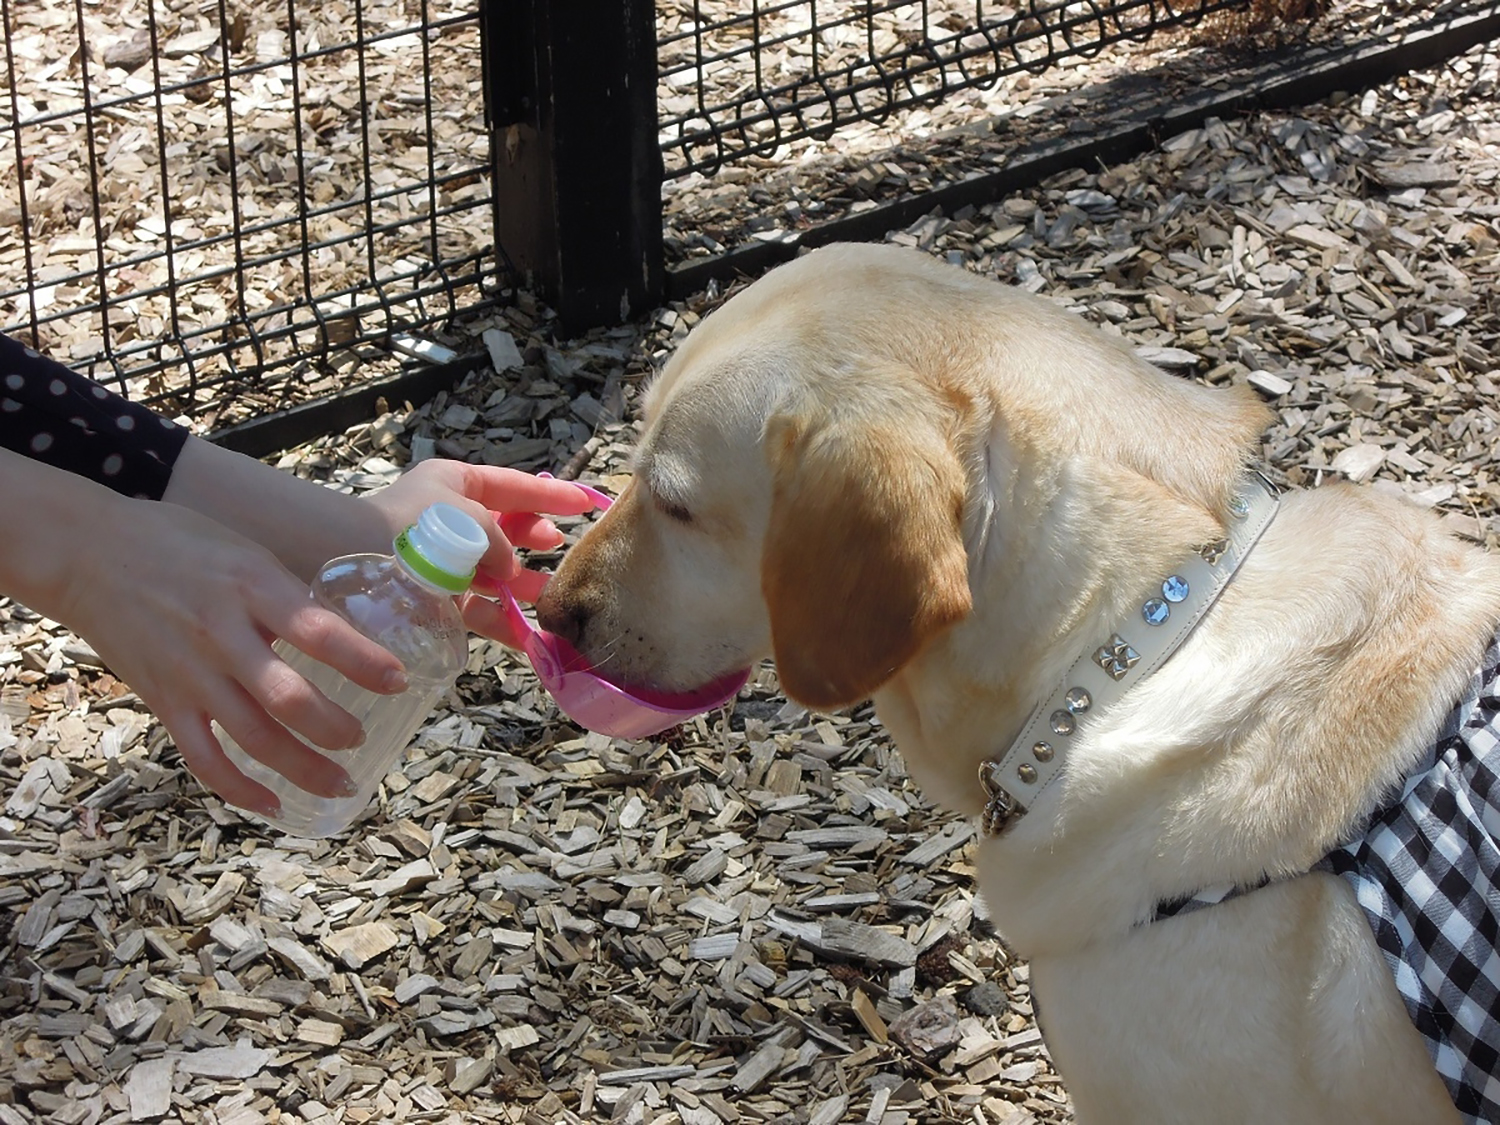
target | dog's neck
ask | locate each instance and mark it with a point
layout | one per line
(1252, 752)
(1056, 559)
(1015, 778)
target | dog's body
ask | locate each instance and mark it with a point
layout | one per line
(912, 483)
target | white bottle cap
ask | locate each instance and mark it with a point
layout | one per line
(443, 547)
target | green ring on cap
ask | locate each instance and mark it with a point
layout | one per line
(442, 579)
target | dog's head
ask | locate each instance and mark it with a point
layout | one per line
(769, 514)
(817, 471)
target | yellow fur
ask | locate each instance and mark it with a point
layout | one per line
(905, 479)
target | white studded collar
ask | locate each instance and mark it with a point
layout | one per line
(1102, 675)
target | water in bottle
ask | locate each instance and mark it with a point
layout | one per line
(403, 601)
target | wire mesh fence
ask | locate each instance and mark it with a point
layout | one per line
(197, 199)
(820, 64)
(227, 207)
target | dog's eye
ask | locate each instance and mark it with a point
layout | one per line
(674, 511)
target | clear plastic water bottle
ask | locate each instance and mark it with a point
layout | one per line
(403, 601)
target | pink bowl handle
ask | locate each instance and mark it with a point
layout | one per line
(518, 620)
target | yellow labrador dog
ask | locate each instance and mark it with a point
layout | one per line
(908, 482)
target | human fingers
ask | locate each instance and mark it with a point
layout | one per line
(329, 639)
(508, 530)
(527, 585)
(206, 760)
(287, 696)
(500, 560)
(510, 490)
(532, 531)
(268, 741)
(294, 702)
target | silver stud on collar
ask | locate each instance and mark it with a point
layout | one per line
(1062, 722)
(1026, 772)
(1117, 657)
(1042, 751)
(1213, 552)
(1239, 507)
(1077, 700)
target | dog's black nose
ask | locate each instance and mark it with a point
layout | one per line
(565, 618)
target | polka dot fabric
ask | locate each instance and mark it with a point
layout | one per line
(54, 415)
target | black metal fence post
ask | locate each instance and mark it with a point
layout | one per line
(570, 89)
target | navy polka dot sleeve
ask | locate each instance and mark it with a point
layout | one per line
(52, 414)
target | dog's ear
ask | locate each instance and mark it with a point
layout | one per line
(864, 559)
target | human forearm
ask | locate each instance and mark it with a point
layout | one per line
(302, 523)
(53, 521)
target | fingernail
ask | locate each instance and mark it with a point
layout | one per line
(347, 787)
(359, 740)
(395, 681)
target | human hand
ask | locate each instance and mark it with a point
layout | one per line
(507, 503)
(184, 611)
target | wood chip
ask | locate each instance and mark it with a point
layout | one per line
(869, 1018)
(1359, 462)
(148, 1089)
(205, 905)
(238, 1003)
(242, 1060)
(757, 1067)
(948, 839)
(321, 1032)
(929, 1029)
(301, 960)
(406, 878)
(840, 937)
(467, 1075)
(360, 944)
(1269, 382)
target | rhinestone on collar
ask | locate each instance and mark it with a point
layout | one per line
(1015, 779)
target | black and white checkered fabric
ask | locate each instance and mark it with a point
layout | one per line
(1427, 875)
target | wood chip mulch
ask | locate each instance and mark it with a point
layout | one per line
(755, 918)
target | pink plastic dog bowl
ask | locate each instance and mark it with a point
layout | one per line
(592, 701)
